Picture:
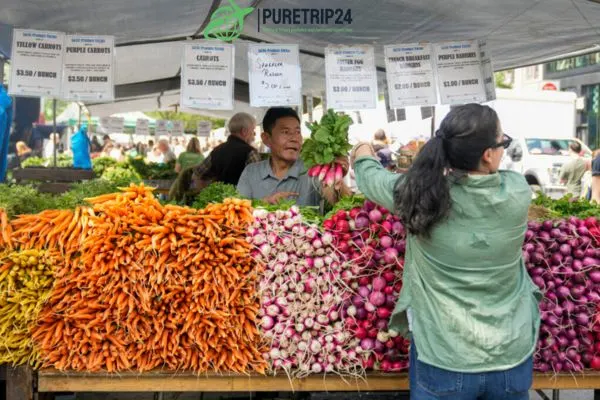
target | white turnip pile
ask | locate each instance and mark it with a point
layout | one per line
(302, 295)
(563, 260)
(372, 240)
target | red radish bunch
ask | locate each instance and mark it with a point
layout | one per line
(373, 241)
(563, 261)
(302, 296)
(328, 174)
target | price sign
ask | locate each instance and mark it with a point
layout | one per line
(88, 68)
(161, 128)
(142, 127)
(459, 72)
(37, 58)
(351, 77)
(410, 78)
(274, 74)
(178, 128)
(487, 70)
(207, 76)
(204, 128)
(104, 125)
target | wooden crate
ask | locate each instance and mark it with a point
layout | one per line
(51, 180)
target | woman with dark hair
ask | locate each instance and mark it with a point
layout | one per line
(467, 300)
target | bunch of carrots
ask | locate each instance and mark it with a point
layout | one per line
(147, 286)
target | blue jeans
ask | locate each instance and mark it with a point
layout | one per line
(431, 383)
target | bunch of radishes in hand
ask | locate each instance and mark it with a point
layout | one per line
(328, 142)
(563, 261)
(373, 240)
(302, 296)
(328, 174)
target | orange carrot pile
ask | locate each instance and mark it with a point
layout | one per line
(150, 286)
(5, 232)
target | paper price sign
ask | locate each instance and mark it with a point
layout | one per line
(487, 70)
(178, 128)
(274, 74)
(351, 78)
(410, 76)
(88, 67)
(142, 127)
(459, 72)
(162, 127)
(207, 76)
(204, 128)
(37, 58)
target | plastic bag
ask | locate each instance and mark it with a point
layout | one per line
(80, 146)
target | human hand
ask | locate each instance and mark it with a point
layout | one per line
(360, 150)
(344, 163)
(277, 197)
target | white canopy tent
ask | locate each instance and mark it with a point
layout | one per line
(149, 38)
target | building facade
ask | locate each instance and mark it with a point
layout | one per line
(581, 75)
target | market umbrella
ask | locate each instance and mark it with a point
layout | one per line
(5, 122)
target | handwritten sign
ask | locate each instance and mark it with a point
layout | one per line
(88, 68)
(351, 77)
(142, 127)
(36, 65)
(410, 78)
(274, 75)
(459, 72)
(207, 76)
(204, 128)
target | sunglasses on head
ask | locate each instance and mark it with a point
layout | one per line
(506, 141)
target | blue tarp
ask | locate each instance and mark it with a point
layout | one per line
(5, 123)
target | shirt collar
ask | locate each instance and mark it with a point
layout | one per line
(482, 181)
(293, 172)
(235, 138)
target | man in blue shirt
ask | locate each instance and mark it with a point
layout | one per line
(283, 175)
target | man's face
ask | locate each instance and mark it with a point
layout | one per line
(285, 140)
(163, 147)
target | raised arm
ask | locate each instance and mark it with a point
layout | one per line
(372, 179)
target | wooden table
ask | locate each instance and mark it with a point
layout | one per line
(157, 381)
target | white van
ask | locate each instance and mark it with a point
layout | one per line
(540, 160)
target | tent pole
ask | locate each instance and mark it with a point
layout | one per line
(432, 121)
(79, 121)
(54, 130)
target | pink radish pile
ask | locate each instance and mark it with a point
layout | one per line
(564, 262)
(373, 241)
(302, 296)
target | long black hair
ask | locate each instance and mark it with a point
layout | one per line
(422, 198)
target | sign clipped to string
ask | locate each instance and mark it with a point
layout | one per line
(36, 64)
(351, 77)
(178, 128)
(410, 75)
(204, 128)
(459, 72)
(142, 127)
(88, 68)
(161, 128)
(207, 76)
(274, 75)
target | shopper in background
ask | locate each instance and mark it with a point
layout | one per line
(166, 152)
(466, 295)
(192, 156)
(95, 146)
(117, 153)
(595, 192)
(23, 151)
(572, 172)
(381, 146)
(51, 145)
(283, 175)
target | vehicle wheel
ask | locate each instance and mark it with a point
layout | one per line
(535, 189)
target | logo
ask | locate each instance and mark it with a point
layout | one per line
(227, 23)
